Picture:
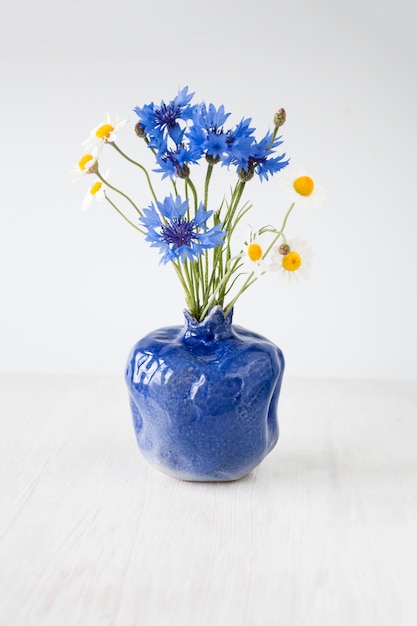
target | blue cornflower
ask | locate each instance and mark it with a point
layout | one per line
(260, 158)
(239, 142)
(176, 235)
(250, 156)
(207, 133)
(269, 166)
(166, 120)
(175, 162)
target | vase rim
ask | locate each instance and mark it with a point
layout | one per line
(216, 325)
(214, 312)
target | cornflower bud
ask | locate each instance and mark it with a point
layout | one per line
(139, 130)
(284, 249)
(183, 171)
(211, 160)
(246, 175)
(279, 118)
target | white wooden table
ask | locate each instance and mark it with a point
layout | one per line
(323, 533)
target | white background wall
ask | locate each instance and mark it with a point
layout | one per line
(78, 289)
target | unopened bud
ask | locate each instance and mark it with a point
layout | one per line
(279, 118)
(284, 249)
(139, 130)
(183, 171)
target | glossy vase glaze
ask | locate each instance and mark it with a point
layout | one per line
(204, 398)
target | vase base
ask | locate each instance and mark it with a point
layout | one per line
(198, 479)
(214, 476)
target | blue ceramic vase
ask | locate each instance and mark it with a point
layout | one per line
(204, 398)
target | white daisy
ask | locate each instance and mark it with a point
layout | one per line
(106, 132)
(96, 193)
(252, 254)
(301, 187)
(88, 164)
(293, 265)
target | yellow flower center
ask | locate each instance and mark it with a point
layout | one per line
(96, 187)
(304, 185)
(291, 261)
(83, 162)
(254, 251)
(104, 131)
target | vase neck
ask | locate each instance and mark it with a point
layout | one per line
(216, 325)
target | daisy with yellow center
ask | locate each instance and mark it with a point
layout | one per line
(83, 163)
(301, 187)
(252, 254)
(88, 164)
(106, 132)
(292, 261)
(96, 193)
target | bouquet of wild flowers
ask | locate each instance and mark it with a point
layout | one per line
(196, 239)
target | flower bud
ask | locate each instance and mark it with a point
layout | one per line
(279, 118)
(139, 130)
(284, 249)
(246, 175)
(183, 171)
(211, 160)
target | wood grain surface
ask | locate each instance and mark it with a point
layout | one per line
(323, 533)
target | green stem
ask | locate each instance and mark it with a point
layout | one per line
(234, 203)
(220, 287)
(190, 184)
(144, 170)
(206, 184)
(284, 223)
(280, 232)
(178, 270)
(121, 193)
(123, 215)
(274, 135)
(189, 274)
(248, 282)
(229, 224)
(206, 274)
